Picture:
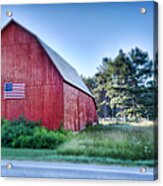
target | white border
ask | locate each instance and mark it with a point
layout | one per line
(40, 182)
(61, 1)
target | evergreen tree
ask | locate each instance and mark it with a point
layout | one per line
(125, 87)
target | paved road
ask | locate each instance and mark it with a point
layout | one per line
(72, 170)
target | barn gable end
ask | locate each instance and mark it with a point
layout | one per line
(24, 61)
(54, 92)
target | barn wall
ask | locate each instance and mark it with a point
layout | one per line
(79, 108)
(24, 61)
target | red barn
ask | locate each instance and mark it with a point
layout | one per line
(40, 84)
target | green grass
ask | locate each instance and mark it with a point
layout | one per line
(52, 156)
(112, 144)
(118, 142)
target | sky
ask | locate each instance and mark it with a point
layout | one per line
(84, 33)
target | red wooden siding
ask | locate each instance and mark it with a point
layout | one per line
(24, 61)
(79, 108)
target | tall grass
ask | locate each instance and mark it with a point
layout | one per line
(103, 144)
(113, 141)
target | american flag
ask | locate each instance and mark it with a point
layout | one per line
(14, 90)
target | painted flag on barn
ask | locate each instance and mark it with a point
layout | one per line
(14, 90)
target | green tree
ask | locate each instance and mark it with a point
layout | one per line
(125, 85)
(100, 91)
(90, 82)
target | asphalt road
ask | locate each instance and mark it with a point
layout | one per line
(35, 169)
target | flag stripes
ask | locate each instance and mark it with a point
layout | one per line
(14, 90)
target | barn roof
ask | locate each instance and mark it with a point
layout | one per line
(68, 73)
(66, 70)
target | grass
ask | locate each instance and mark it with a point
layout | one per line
(118, 142)
(52, 156)
(111, 144)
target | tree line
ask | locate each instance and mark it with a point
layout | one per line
(126, 86)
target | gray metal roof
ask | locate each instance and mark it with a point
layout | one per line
(68, 73)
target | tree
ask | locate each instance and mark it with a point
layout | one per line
(124, 85)
(90, 82)
(102, 99)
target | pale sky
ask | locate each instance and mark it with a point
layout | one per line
(85, 33)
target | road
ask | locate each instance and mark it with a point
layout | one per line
(37, 169)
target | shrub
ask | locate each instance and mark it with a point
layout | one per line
(21, 133)
(4, 121)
